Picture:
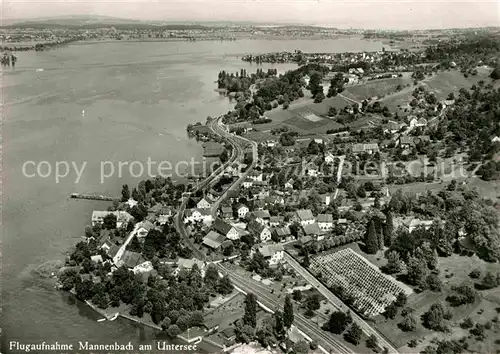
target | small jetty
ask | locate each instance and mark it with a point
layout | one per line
(92, 197)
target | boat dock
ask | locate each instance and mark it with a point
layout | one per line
(93, 197)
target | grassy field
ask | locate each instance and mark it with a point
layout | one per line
(454, 270)
(461, 266)
(487, 189)
(419, 187)
(442, 84)
(375, 88)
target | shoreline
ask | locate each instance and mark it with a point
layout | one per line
(44, 46)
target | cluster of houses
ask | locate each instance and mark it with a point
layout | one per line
(234, 222)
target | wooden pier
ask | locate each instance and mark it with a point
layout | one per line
(104, 198)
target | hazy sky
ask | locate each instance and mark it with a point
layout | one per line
(347, 13)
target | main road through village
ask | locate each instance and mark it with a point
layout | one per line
(326, 341)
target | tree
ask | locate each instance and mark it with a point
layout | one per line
(434, 317)
(134, 245)
(312, 304)
(173, 331)
(434, 283)
(490, 281)
(225, 286)
(211, 276)
(371, 239)
(391, 311)
(297, 295)
(244, 334)
(250, 316)
(125, 193)
(288, 316)
(165, 324)
(306, 261)
(301, 347)
(401, 299)
(394, 264)
(109, 221)
(338, 322)
(475, 273)
(332, 111)
(495, 74)
(279, 326)
(372, 342)
(409, 323)
(183, 322)
(467, 323)
(463, 294)
(319, 97)
(196, 319)
(478, 331)
(353, 334)
(417, 272)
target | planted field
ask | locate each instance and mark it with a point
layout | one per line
(371, 289)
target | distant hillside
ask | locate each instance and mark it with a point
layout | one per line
(90, 22)
(96, 21)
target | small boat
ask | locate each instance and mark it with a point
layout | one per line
(101, 320)
(38, 70)
(114, 317)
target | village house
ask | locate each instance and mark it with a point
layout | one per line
(143, 228)
(143, 267)
(187, 264)
(213, 240)
(313, 231)
(392, 128)
(405, 142)
(248, 183)
(131, 259)
(195, 215)
(325, 221)
(259, 230)
(226, 212)
(276, 220)
(365, 148)
(274, 199)
(244, 126)
(269, 143)
(110, 248)
(329, 158)
(312, 170)
(204, 203)
(273, 253)
(422, 122)
(122, 218)
(261, 216)
(282, 233)
(326, 198)
(289, 184)
(242, 210)
(164, 215)
(131, 203)
(255, 176)
(305, 216)
(225, 229)
(96, 259)
(259, 204)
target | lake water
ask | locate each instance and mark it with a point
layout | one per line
(138, 99)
